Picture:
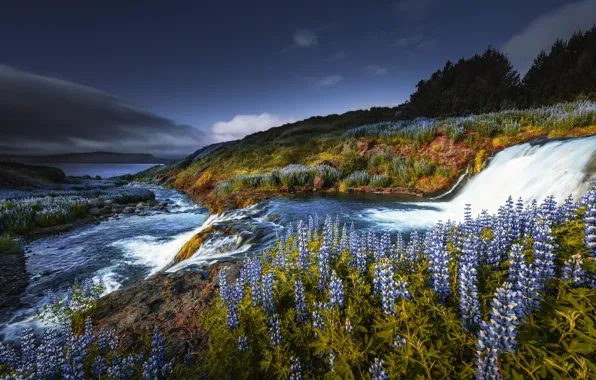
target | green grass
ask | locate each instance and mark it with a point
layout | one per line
(8, 245)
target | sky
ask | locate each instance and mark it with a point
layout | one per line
(168, 77)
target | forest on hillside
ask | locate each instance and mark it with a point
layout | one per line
(488, 82)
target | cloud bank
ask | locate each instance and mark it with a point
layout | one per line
(41, 115)
(543, 31)
(376, 69)
(242, 125)
(328, 81)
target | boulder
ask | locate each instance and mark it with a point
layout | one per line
(129, 210)
(318, 182)
(97, 202)
(141, 205)
(108, 202)
(105, 210)
(94, 211)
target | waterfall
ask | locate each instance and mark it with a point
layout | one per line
(531, 171)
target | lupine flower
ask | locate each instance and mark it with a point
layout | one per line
(387, 287)
(544, 258)
(439, 259)
(324, 258)
(335, 291)
(99, 367)
(242, 343)
(590, 229)
(348, 326)
(267, 293)
(376, 370)
(331, 361)
(303, 253)
(300, 301)
(275, 330)
(522, 281)
(468, 284)
(398, 343)
(155, 366)
(295, 369)
(499, 334)
(572, 271)
(317, 318)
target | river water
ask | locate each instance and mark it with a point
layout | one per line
(129, 249)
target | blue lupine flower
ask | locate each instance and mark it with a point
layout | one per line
(275, 330)
(267, 293)
(295, 369)
(590, 228)
(242, 343)
(303, 253)
(335, 291)
(398, 343)
(376, 370)
(468, 284)
(439, 259)
(544, 258)
(317, 318)
(155, 366)
(99, 367)
(331, 361)
(572, 271)
(324, 258)
(522, 281)
(499, 334)
(300, 301)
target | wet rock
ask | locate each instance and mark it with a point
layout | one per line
(141, 205)
(318, 183)
(169, 302)
(129, 210)
(94, 211)
(97, 202)
(109, 202)
(97, 177)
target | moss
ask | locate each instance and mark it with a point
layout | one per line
(8, 245)
(192, 246)
(479, 161)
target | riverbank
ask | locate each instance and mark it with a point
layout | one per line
(417, 158)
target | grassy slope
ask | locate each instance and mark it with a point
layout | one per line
(319, 139)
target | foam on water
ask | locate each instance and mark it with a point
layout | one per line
(530, 171)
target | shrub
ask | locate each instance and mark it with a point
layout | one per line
(359, 178)
(294, 175)
(8, 244)
(380, 180)
(352, 161)
(327, 173)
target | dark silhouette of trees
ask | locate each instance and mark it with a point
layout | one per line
(567, 72)
(488, 82)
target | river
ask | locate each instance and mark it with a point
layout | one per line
(129, 249)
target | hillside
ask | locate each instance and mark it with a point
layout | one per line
(92, 157)
(364, 151)
(16, 176)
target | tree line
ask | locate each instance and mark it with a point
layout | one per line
(488, 82)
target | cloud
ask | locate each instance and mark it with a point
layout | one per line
(376, 69)
(43, 115)
(410, 41)
(543, 31)
(305, 38)
(242, 125)
(330, 80)
(413, 9)
(337, 56)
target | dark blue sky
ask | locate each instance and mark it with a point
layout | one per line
(198, 63)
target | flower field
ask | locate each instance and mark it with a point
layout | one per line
(508, 296)
(21, 211)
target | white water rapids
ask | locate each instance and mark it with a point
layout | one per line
(530, 171)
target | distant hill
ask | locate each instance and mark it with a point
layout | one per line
(93, 157)
(17, 176)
